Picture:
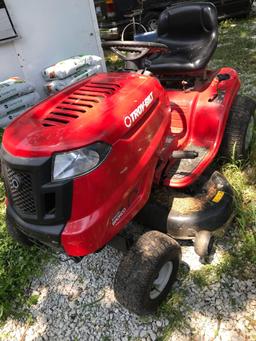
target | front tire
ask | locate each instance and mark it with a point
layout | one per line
(146, 274)
(238, 135)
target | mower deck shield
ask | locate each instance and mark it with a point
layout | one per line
(212, 210)
(209, 210)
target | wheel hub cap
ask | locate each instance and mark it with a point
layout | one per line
(152, 25)
(161, 281)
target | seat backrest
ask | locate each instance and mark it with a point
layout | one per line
(188, 22)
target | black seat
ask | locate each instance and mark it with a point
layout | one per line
(190, 30)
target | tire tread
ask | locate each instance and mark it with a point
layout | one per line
(239, 117)
(137, 268)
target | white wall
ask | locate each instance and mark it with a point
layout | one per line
(49, 30)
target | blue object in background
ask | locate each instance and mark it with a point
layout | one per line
(148, 36)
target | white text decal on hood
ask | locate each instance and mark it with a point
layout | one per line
(130, 119)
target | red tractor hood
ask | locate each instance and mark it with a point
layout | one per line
(104, 107)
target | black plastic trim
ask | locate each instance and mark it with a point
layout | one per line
(49, 235)
(39, 170)
(185, 226)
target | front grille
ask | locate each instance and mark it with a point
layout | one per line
(21, 191)
(32, 196)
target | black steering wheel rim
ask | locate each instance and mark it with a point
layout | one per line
(143, 47)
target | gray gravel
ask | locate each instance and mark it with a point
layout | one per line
(76, 302)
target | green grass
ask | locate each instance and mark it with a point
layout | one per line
(172, 310)
(237, 49)
(18, 266)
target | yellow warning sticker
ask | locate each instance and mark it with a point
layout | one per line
(218, 196)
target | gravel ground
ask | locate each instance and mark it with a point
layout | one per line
(76, 302)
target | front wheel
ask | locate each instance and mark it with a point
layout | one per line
(146, 274)
(239, 131)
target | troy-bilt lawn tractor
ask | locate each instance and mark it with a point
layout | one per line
(79, 166)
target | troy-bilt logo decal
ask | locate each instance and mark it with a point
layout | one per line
(130, 119)
(118, 216)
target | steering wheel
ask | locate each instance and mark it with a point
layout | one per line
(142, 48)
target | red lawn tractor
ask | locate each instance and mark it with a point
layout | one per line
(81, 165)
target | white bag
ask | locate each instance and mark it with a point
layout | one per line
(58, 85)
(22, 102)
(6, 120)
(14, 86)
(69, 66)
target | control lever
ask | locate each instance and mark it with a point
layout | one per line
(223, 77)
(219, 78)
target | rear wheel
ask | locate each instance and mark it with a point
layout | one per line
(146, 274)
(150, 21)
(238, 135)
(17, 235)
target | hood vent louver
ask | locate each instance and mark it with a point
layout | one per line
(79, 102)
(57, 120)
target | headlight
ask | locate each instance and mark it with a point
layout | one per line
(80, 161)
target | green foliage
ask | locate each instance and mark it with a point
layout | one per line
(18, 266)
(236, 49)
(32, 300)
(173, 309)
(205, 276)
(113, 62)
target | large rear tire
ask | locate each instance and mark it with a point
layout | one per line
(239, 129)
(147, 272)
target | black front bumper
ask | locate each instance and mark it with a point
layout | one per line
(37, 206)
(49, 235)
